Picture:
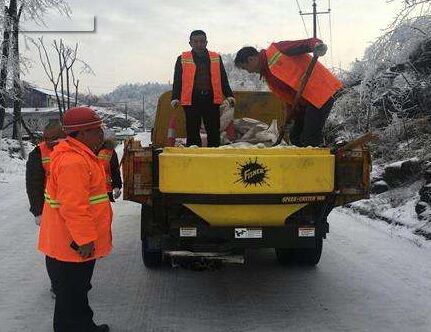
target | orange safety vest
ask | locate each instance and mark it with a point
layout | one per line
(77, 206)
(188, 77)
(321, 85)
(45, 153)
(104, 157)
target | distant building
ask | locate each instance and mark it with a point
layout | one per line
(35, 97)
(39, 106)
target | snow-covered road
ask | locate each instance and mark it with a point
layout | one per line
(370, 278)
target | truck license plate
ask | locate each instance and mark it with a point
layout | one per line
(306, 232)
(248, 233)
(188, 232)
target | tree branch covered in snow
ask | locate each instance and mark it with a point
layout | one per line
(408, 7)
(10, 18)
(389, 89)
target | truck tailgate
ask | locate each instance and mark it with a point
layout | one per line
(255, 187)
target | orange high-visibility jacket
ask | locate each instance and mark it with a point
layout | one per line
(45, 153)
(77, 206)
(104, 157)
(188, 77)
(321, 85)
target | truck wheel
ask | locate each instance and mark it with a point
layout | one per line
(307, 256)
(285, 256)
(310, 256)
(152, 258)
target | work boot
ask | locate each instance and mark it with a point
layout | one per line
(102, 328)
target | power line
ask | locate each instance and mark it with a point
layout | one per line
(320, 34)
(315, 14)
(302, 17)
(330, 33)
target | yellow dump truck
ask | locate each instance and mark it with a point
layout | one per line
(223, 200)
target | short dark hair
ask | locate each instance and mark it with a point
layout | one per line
(53, 124)
(197, 33)
(243, 54)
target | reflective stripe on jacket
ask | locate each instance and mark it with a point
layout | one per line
(188, 77)
(77, 206)
(45, 154)
(321, 85)
(104, 157)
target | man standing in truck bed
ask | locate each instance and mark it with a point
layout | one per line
(282, 65)
(200, 84)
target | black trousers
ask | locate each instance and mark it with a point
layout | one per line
(71, 283)
(202, 108)
(308, 127)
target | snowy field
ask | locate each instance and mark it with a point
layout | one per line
(372, 277)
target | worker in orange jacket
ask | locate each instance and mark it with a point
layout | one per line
(38, 165)
(38, 169)
(201, 86)
(282, 65)
(76, 222)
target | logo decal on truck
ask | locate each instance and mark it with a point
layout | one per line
(252, 173)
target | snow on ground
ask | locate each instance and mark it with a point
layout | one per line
(372, 277)
(395, 206)
(109, 117)
(11, 161)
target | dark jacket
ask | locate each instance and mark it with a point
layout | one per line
(115, 171)
(199, 61)
(35, 181)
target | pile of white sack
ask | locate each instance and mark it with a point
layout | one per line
(246, 130)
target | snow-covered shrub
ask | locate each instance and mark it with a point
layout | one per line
(389, 92)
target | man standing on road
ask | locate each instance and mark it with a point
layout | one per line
(38, 169)
(282, 65)
(200, 84)
(109, 160)
(76, 220)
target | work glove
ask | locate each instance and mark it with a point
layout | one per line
(175, 103)
(320, 49)
(37, 220)
(116, 193)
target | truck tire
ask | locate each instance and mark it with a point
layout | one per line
(306, 256)
(285, 256)
(151, 258)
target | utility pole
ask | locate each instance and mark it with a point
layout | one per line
(315, 13)
(143, 112)
(125, 109)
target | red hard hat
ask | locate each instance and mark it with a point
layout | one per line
(80, 118)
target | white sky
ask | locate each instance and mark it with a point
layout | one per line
(139, 40)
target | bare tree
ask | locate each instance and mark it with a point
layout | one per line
(14, 10)
(5, 63)
(54, 77)
(65, 75)
(76, 85)
(16, 70)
